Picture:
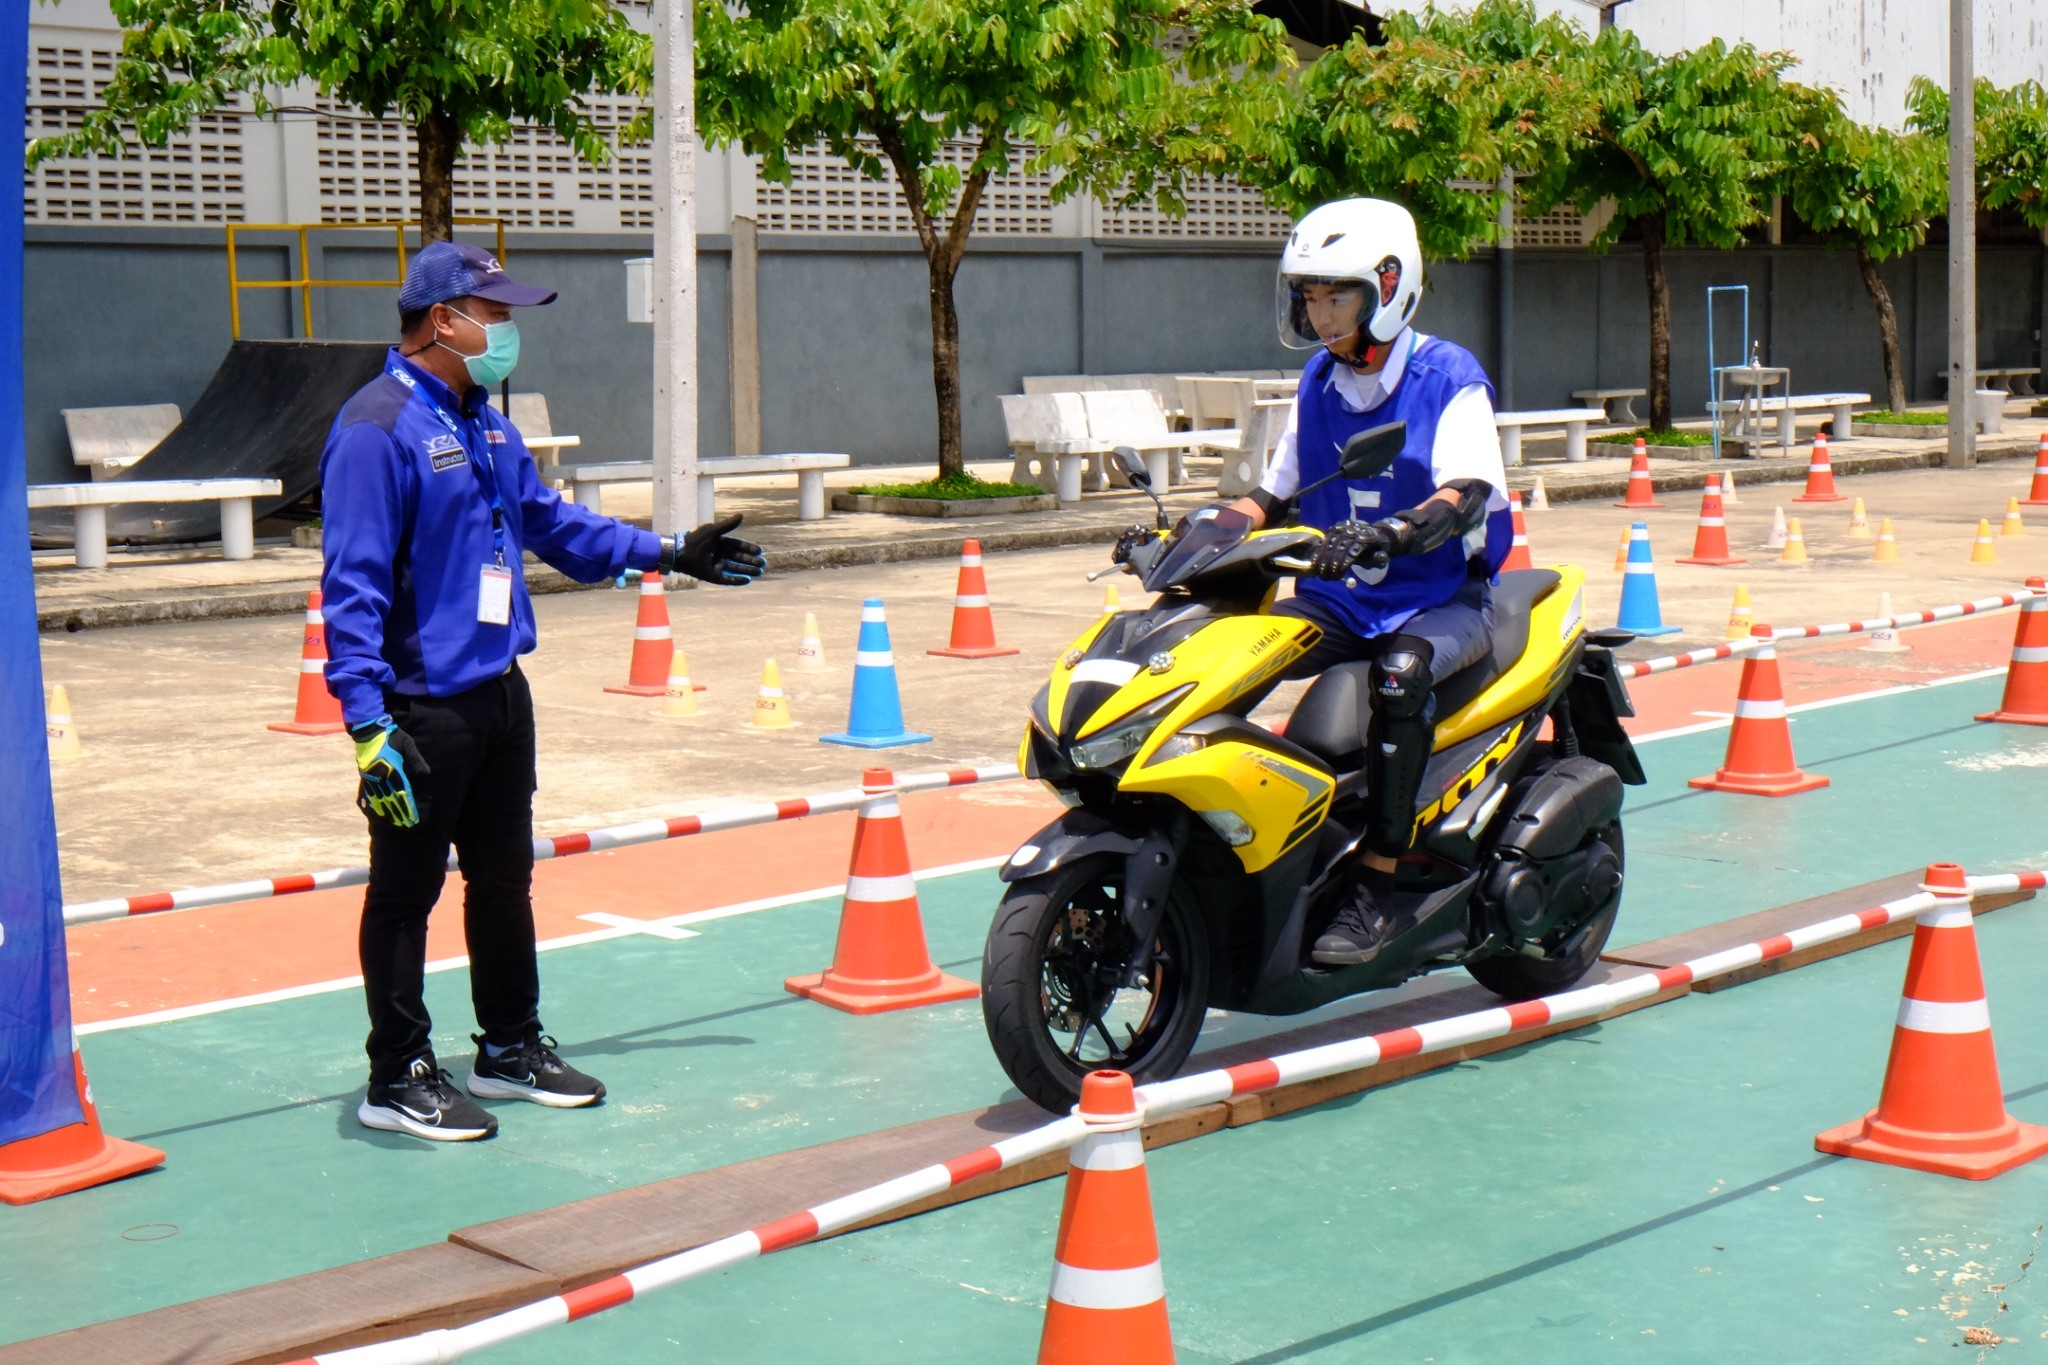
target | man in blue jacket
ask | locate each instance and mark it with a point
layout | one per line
(429, 499)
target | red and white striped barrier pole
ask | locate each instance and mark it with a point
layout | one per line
(1736, 648)
(1156, 1100)
(560, 846)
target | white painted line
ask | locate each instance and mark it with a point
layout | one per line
(652, 928)
(1900, 690)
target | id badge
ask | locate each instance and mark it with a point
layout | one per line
(494, 595)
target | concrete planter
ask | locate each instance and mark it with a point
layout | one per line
(943, 507)
(305, 537)
(1899, 431)
(1624, 449)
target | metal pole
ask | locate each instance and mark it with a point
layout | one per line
(1962, 237)
(675, 268)
(1504, 321)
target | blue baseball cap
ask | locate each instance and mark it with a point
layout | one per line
(453, 270)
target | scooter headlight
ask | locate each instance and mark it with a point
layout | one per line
(1116, 744)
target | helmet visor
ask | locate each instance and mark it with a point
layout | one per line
(1313, 313)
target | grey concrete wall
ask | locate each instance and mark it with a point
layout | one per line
(140, 316)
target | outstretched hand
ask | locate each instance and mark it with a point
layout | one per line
(713, 554)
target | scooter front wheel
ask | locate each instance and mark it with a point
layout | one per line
(1052, 992)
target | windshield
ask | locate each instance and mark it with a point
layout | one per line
(1207, 535)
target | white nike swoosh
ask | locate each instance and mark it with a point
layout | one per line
(432, 1116)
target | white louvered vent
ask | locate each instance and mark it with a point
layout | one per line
(1218, 209)
(827, 195)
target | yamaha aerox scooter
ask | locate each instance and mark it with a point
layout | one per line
(1202, 854)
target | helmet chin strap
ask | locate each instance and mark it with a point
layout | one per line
(1370, 356)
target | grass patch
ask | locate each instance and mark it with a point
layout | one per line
(1657, 438)
(953, 488)
(1882, 418)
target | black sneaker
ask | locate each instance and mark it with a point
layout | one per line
(1361, 926)
(531, 1072)
(427, 1105)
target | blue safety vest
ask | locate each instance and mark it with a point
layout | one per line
(1376, 602)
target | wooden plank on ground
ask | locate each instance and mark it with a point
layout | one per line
(1732, 933)
(441, 1285)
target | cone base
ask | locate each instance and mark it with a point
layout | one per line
(663, 715)
(307, 727)
(1648, 630)
(1907, 649)
(752, 728)
(1862, 1140)
(874, 997)
(984, 652)
(2014, 718)
(1822, 497)
(2034, 502)
(1651, 506)
(116, 1159)
(853, 741)
(1711, 561)
(636, 690)
(1761, 784)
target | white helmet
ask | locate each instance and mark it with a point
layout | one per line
(1369, 243)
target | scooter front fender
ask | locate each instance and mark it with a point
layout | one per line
(1075, 834)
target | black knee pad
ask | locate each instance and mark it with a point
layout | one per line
(1401, 677)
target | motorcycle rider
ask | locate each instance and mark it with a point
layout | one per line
(1403, 575)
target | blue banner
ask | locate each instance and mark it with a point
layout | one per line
(37, 1092)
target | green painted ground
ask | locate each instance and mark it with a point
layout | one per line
(1492, 1228)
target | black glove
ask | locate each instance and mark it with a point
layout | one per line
(389, 764)
(1348, 543)
(711, 554)
(1127, 544)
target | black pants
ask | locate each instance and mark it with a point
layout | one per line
(478, 797)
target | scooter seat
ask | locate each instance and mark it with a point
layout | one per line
(1330, 721)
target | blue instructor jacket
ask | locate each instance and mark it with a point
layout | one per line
(406, 506)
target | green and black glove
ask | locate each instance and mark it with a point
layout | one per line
(389, 763)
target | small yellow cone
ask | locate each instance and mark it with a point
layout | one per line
(1728, 498)
(1887, 551)
(63, 734)
(680, 700)
(2012, 525)
(1111, 603)
(1795, 544)
(1859, 524)
(1539, 499)
(810, 654)
(771, 708)
(1885, 639)
(1740, 616)
(1621, 551)
(1984, 551)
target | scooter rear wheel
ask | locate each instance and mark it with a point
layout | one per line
(1051, 992)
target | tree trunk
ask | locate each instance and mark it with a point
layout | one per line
(1887, 331)
(438, 139)
(946, 367)
(1659, 290)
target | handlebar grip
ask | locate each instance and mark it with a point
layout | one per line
(1290, 562)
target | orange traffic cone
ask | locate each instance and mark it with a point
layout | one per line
(974, 627)
(1859, 521)
(1983, 550)
(1518, 548)
(1710, 541)
(74, 1157)
(1941, 1109)
(318, 711)
(1820, 474)
(1759, 759)
(59, 728)
(2037, 496)
(1107, 1301)
(1886, 551)
(653, 643)
(1640, 493)
(2012, 525)
(2026, 681)
(881, 962)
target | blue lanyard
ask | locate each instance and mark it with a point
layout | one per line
(484, 466)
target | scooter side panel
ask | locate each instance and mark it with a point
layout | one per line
(1554, 623)
(1281, 800)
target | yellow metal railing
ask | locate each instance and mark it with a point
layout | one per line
(305, 283)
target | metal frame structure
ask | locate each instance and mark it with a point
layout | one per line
(305, 283)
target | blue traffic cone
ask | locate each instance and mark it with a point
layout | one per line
(877, 719)
(1639, 611)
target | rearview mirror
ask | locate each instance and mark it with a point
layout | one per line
(1133, 466)
(1370, 454)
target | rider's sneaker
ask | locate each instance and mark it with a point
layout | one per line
(1362, 924)
(425, 1104)
(532, 1072)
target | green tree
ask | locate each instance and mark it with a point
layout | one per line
(889, 85)
(1870, 190)
(1689, 148)
(456, 70)
(2012, 142)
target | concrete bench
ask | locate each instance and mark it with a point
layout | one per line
(586, 481)
(1841, 408)
(536, 428)
(1112, 418)
(1619, 403)
(108, 440)
(1573, 420)
(2017, 380)
(89, 503)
